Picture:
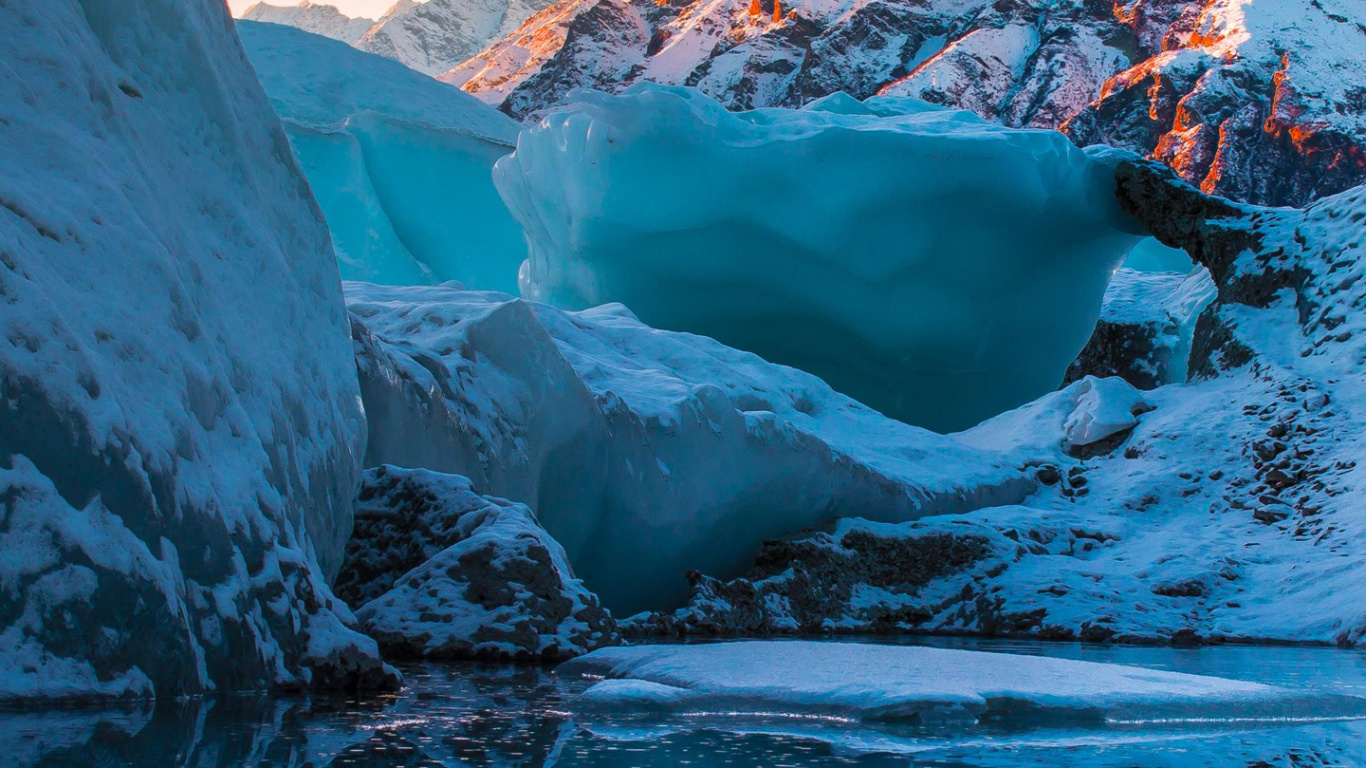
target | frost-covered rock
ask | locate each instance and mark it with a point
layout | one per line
(1146, 326)
(1258, 101)
(180, 427)
(645, 453)
(318, 18)
(438, 571)
(927, 686)
(932, 265)
(400, 162)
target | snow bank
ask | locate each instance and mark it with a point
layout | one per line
(926, 685)
(645, 453)
(1081, 414)
(934, 266)
(438, 571)
(180, 427)
(400, 163)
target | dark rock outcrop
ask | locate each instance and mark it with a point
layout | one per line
(438, 571)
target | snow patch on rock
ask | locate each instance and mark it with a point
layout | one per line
(438, 571)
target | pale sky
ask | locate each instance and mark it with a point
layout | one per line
(372, 9)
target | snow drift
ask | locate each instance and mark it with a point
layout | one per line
(180, 427)
(400, 163)
(939, 268)
(645, 453)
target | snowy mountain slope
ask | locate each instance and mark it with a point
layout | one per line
(318, 18)
(401, 164)
(935, 266)
(627, 440)
(434, 36)
(180, 427)
(430, 36)
(1255, 101)
(1232, 510)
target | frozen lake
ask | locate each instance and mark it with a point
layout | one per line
(487, 715)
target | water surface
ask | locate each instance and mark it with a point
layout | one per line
(490, 715)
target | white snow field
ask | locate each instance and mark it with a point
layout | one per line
(929, 686)
(401, 163)
(934, 266)
(646, 453)
(180, 426)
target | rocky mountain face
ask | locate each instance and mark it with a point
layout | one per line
(430, 37)
(317, 18)
(1228, 499)
(1252, 101)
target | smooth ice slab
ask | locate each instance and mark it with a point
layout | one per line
(925, 685)
(937, 267)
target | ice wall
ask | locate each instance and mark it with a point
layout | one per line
(645, 453)
(934, 266)
(400, 163)
(180, 426)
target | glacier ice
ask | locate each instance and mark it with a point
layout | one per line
(180, 424)
(1229, 513)
(646, 453)
(920, 684)
(400, 163)
(1150, 255)
(438, 571)
(937, 267)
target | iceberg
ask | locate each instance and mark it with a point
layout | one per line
(646, 453)
(939, 268)
(926, 686)
(180, 425)
(400, 163)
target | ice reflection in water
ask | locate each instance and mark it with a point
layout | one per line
(479, 715)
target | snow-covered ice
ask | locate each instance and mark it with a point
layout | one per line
(438, 571)
(644, 452)
(180, 427)
(400, 163)
(925, 685)
(937, 267)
